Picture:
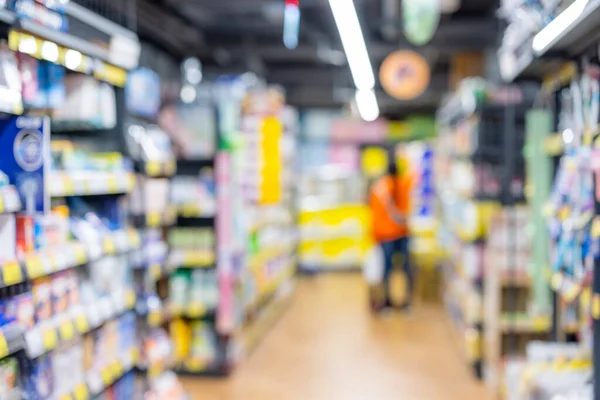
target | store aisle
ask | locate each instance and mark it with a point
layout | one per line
(328, 347)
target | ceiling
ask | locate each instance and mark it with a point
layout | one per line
(233, 36)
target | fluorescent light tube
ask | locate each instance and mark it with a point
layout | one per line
(366, 102)
(558, 25)
(353, 41)
(291, 24)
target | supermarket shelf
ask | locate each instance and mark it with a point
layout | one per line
(65, 184)
(563, 284)
(65, 126)
(155, 313)
(516, 279)
(573, 39)
(156, 368)
(157, 169)
(9, 200)
(192, 311)
(191, 259)
(553, 145)
(99, 381)
(525, 325)
(159, 271)
(268, 290)
(155, 219)
(12, 340)
(192, 167)
(70, 255)
(46, 337)
(469, 341)
(197, 367)
(256, 330)
(187, 220)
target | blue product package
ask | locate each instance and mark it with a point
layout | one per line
(42, 378)
(33, 11)
(25, 158)
(56, 92)
(142, 92)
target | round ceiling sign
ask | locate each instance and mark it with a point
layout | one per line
(404, 75)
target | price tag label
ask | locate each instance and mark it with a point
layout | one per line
(3, 345)
(196, 310)
(106, 376)
(82, 324)
(81, 392)
(596, 306)
(2, 206)
(134, 353)
(155, 272)
(170, 167)
(195, 364)
(117, 370)
(556, 281)
(67, 330)
(33, 265)
(153, 168)
(154, 318)
(11, 273)
(133, 239)
(66, 397)
(153, 219)
(112, 184)
(540, 324)
(130, 299)
(109, 246)
(129, 182)
(80, 254)
(49, 338)
(155, 370)
(65, 186)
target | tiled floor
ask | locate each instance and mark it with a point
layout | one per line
(328, 346)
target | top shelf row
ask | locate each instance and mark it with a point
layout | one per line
(569, 34)
(107, 63)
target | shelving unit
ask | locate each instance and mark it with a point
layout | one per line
(94, 312)
(481, 177)
(580, 20)
(558, 57)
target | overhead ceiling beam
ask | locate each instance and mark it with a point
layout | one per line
(338, 77)
(168, 30)
(453, 39)
(317, 96)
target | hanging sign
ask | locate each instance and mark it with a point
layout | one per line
(404, 74)
(420, 20)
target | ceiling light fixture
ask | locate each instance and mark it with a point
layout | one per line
(557, 26)
(353, 41)
(366, 102)
(291, 24)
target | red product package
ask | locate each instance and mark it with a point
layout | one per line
(25, 235)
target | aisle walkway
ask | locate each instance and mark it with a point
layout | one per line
(328, 347)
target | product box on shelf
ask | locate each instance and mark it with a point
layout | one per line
(41, 14)
(25, 157)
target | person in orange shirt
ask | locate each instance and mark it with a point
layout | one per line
(390, 204)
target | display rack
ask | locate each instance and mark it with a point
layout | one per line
(480, 177)
(333, 220)
(567, 135)
(91, 336)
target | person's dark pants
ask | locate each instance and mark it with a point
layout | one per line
(389, 249)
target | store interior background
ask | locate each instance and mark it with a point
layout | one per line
(184, 198)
